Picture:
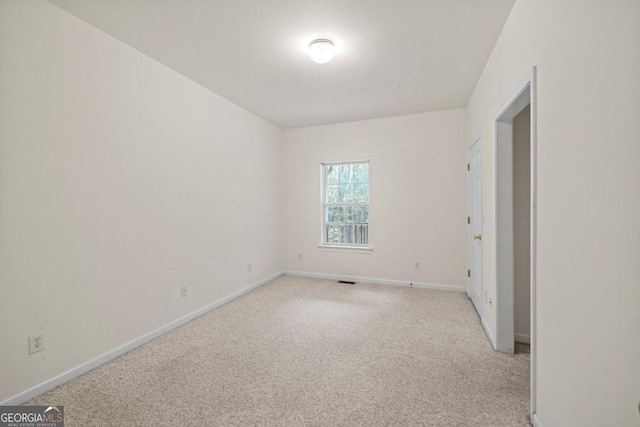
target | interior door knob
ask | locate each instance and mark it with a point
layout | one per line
(477, 237)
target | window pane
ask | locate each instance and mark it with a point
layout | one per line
(347, 214)
(345, 173)
(361, 215)
(332, 174)
(361, 234)
(333, 193)
(346, 193)
(337, 214)
(333, 233)
(347, 234)
(361, 173)
(334, 214)
(361, 193)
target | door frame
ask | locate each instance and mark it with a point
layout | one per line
(480, 307)
(523, 95)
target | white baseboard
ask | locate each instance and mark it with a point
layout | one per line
(535, 420)
(488, 332)
(522, 338)
(52, 383)
(407, 284)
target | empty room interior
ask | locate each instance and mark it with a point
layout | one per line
(413, 212)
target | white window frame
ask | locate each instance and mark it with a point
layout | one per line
(348, 247)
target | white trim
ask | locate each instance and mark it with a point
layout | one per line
(52, 383)
(535, 420)
(522, 338)
(534, 233)
(340, 248)
(358, 279)
(513, 101)
(492, 340)
(344, 162)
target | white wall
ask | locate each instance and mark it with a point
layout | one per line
(120, 180)
(522, 224)
(588, 59)
(417, 191)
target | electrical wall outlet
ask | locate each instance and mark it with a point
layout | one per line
(249, 268)
(36, 343)
(183, 291)
(299, 257)
(417, 265)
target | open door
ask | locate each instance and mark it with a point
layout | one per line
(474, 221)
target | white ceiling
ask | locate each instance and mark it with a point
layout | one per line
(395, 57)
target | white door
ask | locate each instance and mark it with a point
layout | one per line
(474, 227)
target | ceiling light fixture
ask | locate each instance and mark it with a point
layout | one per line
(322, 50)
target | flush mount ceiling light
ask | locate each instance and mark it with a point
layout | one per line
(322, 50)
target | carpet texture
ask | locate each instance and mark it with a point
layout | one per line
(302, 351)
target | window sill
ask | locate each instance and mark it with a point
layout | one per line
(349, 249)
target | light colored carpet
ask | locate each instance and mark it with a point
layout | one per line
(301, 351)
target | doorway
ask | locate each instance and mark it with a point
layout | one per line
(515, 231)
(522, 227)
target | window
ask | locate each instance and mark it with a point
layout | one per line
(345, 204)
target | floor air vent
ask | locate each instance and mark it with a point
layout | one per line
(347, 282)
